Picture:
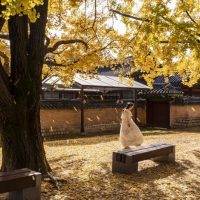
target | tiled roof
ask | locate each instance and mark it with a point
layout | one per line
(168, 89)
(101, 81)
(174, 80)
(159, 81)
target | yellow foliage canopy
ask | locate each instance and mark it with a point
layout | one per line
(162, 36)
(21, 7)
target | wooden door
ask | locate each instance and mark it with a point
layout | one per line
(158, 114)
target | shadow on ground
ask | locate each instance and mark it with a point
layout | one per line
(151, 182)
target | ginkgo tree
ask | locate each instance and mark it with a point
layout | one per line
(68, 36)
(80, 43)
(20, 89)
(163, 37)
(62, 41)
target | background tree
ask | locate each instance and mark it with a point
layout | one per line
(162, 36)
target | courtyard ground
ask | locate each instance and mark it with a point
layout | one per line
(83, 167)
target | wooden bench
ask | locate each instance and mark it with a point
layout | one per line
(126, 161)
(21, 184)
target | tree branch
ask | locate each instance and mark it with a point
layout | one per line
(62, 42)
(103, 48)
(2, 20)
(4, 36)
(5, 96)
(188, 32)
(47, 42)
(188, 14)
(167, 42)
(129, 16)
(53, 63)
(147, 20)
(3, 73)
(6, 59)
(95, 51)
(95, 13)
(6, 99)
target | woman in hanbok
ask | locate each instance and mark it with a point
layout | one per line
(130, 134)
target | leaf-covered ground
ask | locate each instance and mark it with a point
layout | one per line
(84, 169)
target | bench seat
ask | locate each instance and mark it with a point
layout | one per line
(126, 161)
(21, 184)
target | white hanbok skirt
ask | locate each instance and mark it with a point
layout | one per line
(130, 134)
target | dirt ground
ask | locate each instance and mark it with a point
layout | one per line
(83, 167)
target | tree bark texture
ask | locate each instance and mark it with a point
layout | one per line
(22, 144)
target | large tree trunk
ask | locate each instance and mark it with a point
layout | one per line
(21, 133)
(35, 62)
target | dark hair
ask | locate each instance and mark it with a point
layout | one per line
(129, 104)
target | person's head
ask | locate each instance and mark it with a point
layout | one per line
(129, 105)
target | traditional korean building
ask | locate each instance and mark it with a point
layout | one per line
(90, 105)
(172, 105)
(167, 105)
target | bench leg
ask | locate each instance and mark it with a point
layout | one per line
(124, 166)
(168, 158)
(18, 195)
(33, 193)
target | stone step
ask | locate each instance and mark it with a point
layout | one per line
(187, 122)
